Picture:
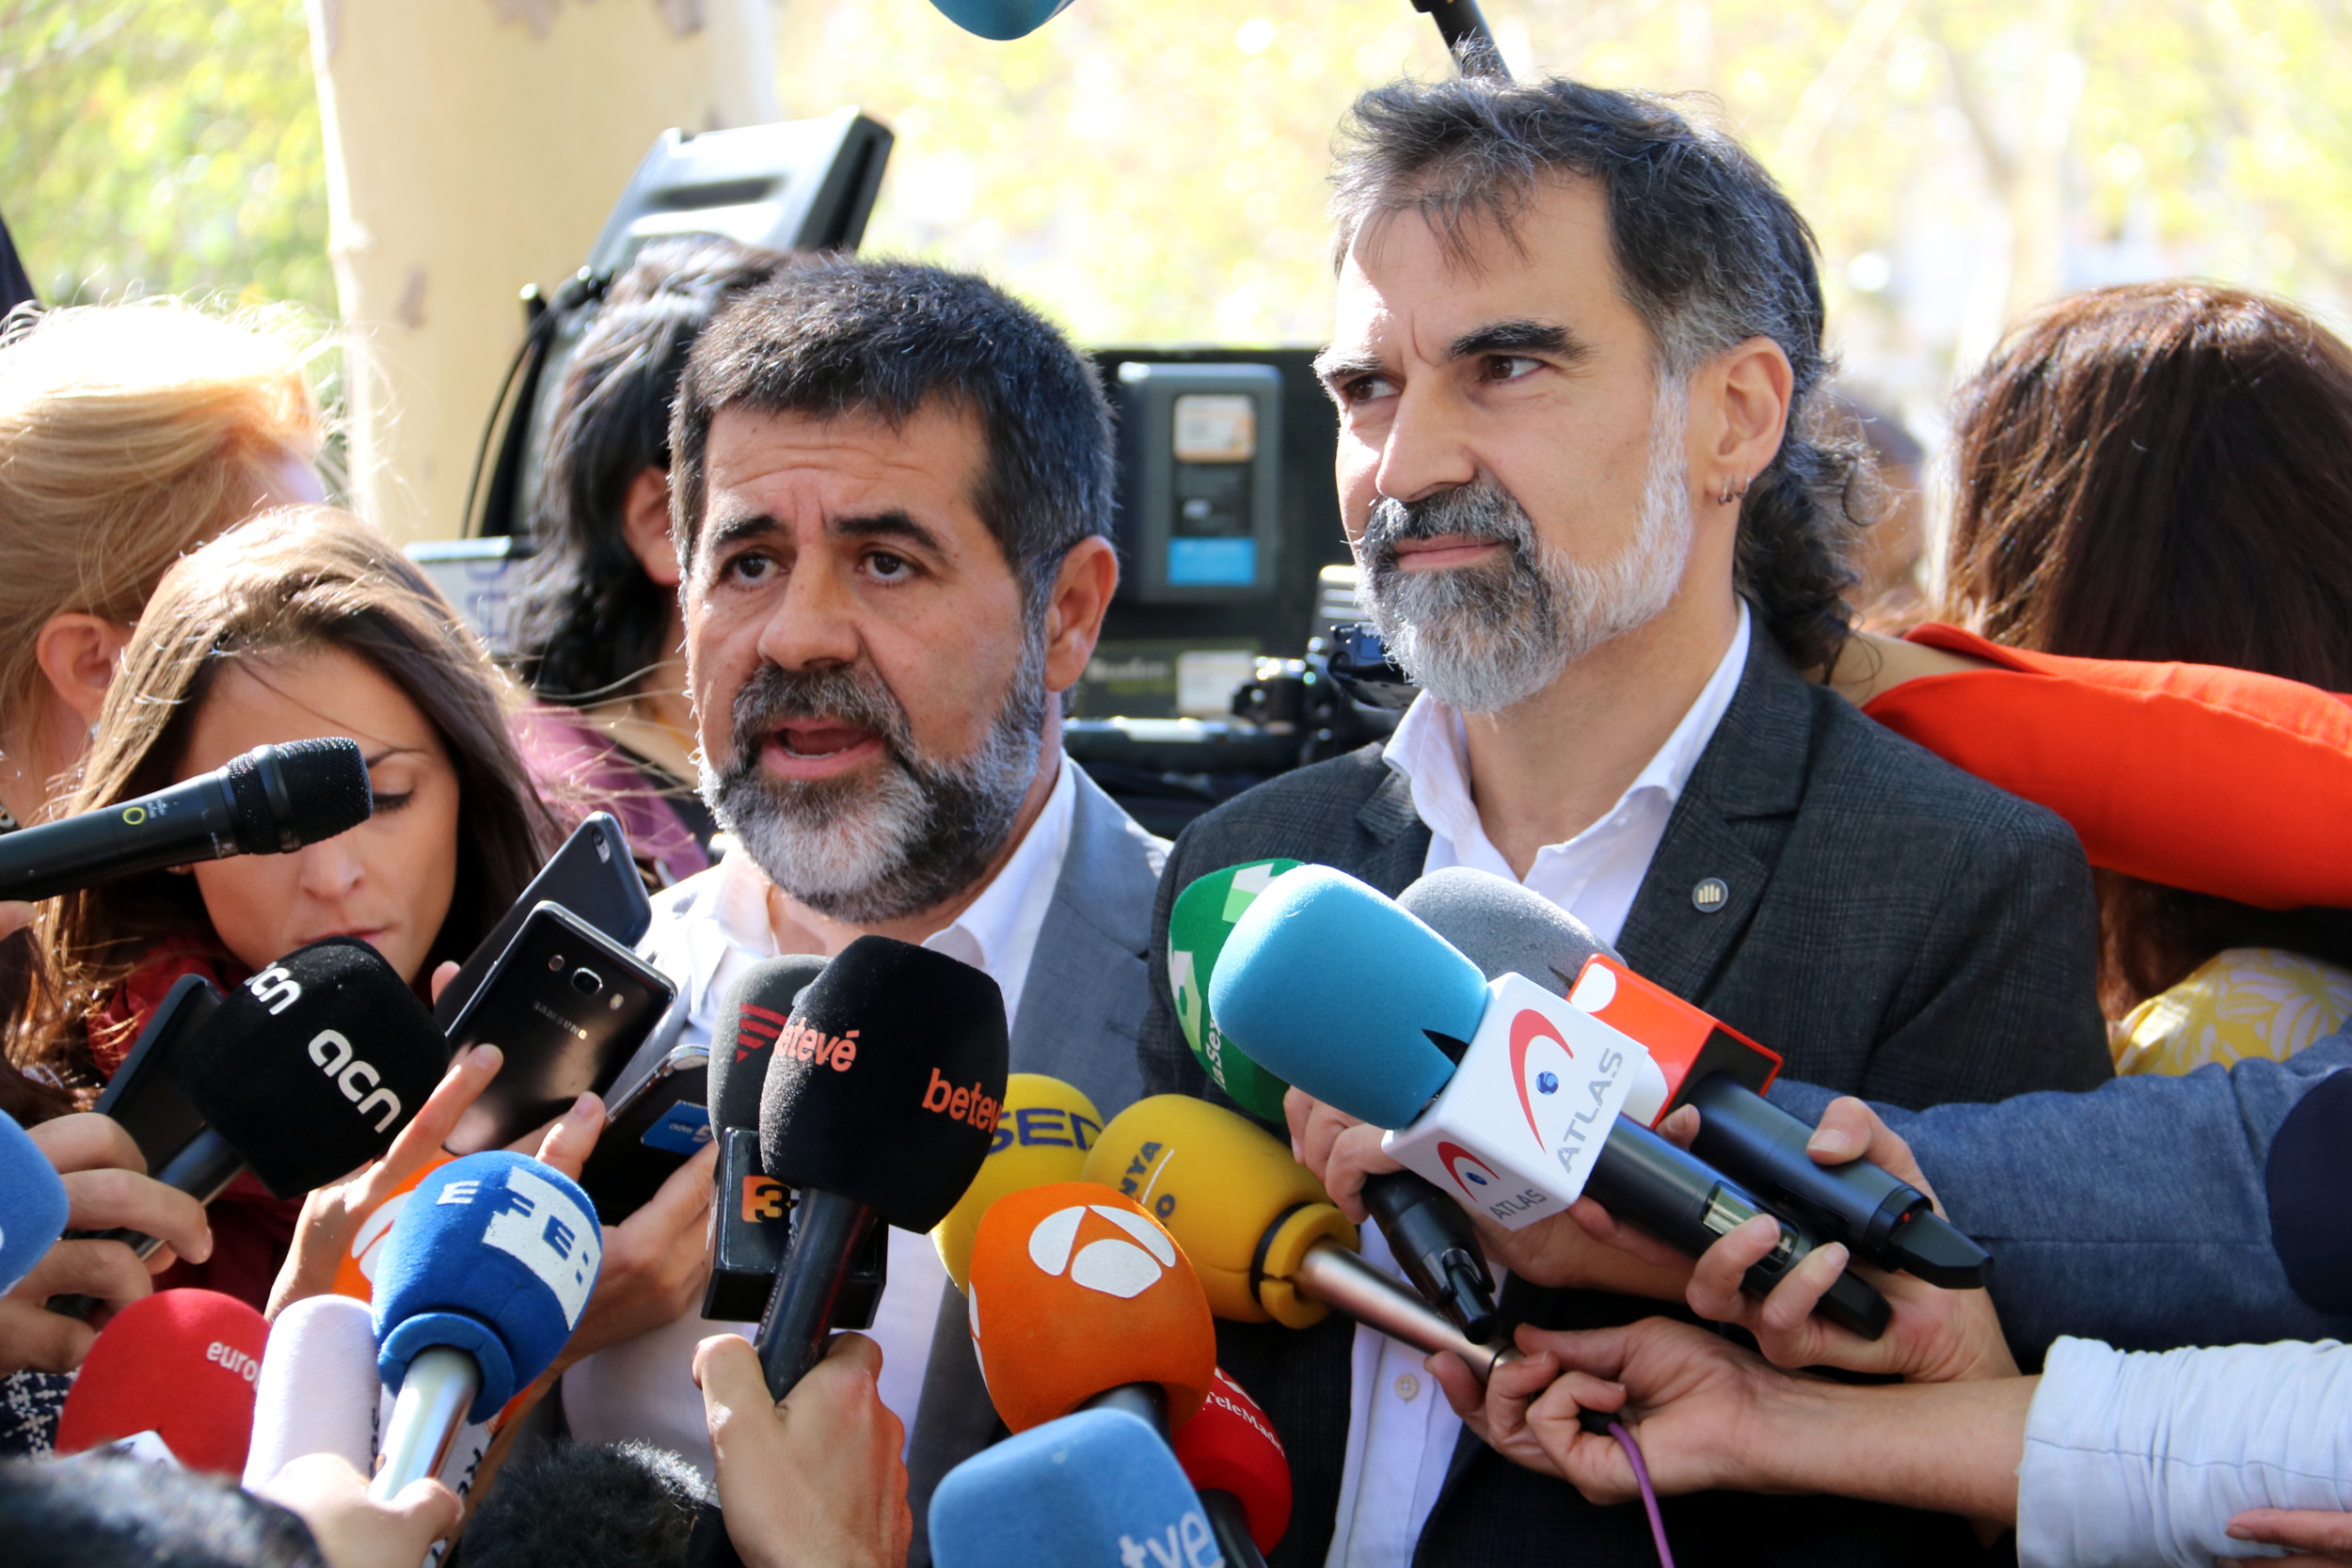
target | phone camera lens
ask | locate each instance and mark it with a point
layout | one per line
(587, 982)
(555, 964)
(615, 1003)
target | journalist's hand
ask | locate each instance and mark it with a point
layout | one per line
(2327, 1538)
(352, 1530)
(815, 1482)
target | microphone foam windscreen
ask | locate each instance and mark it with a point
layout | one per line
(1231, 1447)
(1001, 20)
(325, 792)
(1097, 1487)
(33, 1203)
(318, 1390)
(1502, 928)
(886, 1082)
(1328, 984)
(755, 1011)
(1217, 1183)
(181, 1364)
(587, 1505)
(1198, 924)
(312, 1066)
(494, 1255)
(1041, 1137)
(1075, 1290)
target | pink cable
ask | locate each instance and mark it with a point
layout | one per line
(1649, 1495)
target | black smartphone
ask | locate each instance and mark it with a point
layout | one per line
(591, 875)
(144, 1093)
(655, 1127)
(569, 1006)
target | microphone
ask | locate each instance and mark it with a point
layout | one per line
(482, 1278)
(33, 1203)
(1502, 1093)
(318, 1390)
(180, 1364)
(271, 800)
(587, 1505)
(1001, 20)
(1079, 1298)
(1235, 1462)
(1504, 929)
(747, 1212)
(1097, 1487)
(1041, 1138)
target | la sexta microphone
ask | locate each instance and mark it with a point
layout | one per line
(271, 800)
(747, 1223)
(1504, 1094)
(33, 1203)
(1043, 1136)
(484, 1278)
(1000, 20)
(1098, 1486)
(181, 1364)
(1235, 1462)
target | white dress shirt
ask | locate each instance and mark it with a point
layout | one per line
(1400, 1430)
(705, 932)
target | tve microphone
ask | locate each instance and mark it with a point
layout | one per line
(1079, 1298)
(1001, 20)
(1506, 1095)
(484, 1278)
(747, 1209)
(271, 800)
(181, 1364)
(33, 1203)
(1236, 1462)
(1041, 1137)
(318, 1390)
(1097, 1487)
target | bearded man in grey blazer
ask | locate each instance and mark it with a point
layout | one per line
(1579, 363)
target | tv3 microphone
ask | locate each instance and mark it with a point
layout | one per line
(271, 800)
(180, 1364)
(1236, 1463)
(1427, 1233)
(1503, 1093)
(748, 1210)
(34, 1204)
(1504, 929)
(1095, 1487)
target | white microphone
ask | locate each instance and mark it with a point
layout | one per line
(318, 1390)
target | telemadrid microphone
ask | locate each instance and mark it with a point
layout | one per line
(33, 1203)
(318, 1390)
(181, 1364)
(1080, 1299)
(747, 1211)
(1001, 20)
(1503, 1093)
(1235, 1462)
(1099, 1486)
(1042, 1137)
(271, 800)
(484, 1278)
(1503, 928)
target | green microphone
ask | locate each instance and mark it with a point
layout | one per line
(1197, 925)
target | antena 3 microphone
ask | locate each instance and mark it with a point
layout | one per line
(1001, 20)
(1097, 1487)
(1198, 924)
(271, 800)
(1235, 1462)
(1041, 1137)
(181, 1364)
(34, 1205)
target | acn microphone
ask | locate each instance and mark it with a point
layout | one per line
(1096, 1487)
(271, 800)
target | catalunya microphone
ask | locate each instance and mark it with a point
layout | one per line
(271, 800)
(33, 1203)
(1079, 1299)
(179, 1364)
(1263, 1238)
(1235, 1462)
(303, 1074)
(1096, 1487)
(484, 1276)
(1043, 1136)
(747, 1211)
(1001, 20)
(1503, 928)
(1504, 1094)
(1427, 1233)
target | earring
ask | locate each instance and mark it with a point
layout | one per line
(1733, 490)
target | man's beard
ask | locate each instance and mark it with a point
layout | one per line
(862, 849)
(1488, 637)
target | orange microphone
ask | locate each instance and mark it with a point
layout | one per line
(1080, 1300)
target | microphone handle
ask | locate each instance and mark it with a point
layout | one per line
(1753, 1140)
(1230, 1523)
(426, 1414)
(202, 1168)
(1343, 1281)
(1146, 1402)
(190, 821)
(1431, 1235)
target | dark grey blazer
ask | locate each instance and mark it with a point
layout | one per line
(1892, 925)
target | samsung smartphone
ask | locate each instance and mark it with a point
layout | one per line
(592, 875)
(655, 1127)
(569, 1006)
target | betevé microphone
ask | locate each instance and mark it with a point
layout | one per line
(271, 800)
(1235, 1462)
(181, 1364)
(1043, 1136)
(318, 1390)
(484, 1278)
(34, 1205)
(1001, 20)
(747, 1209)
(1502, 1093)
(1096, 1487)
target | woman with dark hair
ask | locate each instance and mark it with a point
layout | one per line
(597, 633)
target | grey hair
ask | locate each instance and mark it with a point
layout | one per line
(1710, 253)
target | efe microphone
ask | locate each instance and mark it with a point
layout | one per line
(271, 800)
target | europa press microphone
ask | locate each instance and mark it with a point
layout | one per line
(1504, 1092)
(1098, 1486)
(178, 1366)
(271, 800)
(1426, 1231)
(34, 1205)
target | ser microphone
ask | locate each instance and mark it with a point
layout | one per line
(1502, 1093)
(271, 800)
(1098, 1486)
(181, 1364)
(1041, 1138)
(748, 1226)
(34, 1205)
(1235, 1462)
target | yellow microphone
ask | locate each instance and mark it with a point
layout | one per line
(1042, 1135)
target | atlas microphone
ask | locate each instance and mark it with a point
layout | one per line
(271, 800)
(1235, 1462)
(748, 1208)
(34, 1205)
(180, 1365)
(1098, 1486)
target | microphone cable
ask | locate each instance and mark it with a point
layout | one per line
(1600, 1423)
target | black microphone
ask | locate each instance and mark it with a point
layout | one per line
(271, 800)
(747, 1211)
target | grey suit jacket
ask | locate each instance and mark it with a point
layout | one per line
(1895, 927)
(1081, 1009)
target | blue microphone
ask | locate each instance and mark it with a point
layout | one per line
(33, 1204)
(1100, 1486)
(1002, 20)
(482, 1278)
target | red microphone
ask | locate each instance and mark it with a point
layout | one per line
(181, 1364)
(1689, 1044)
(1236, 1462)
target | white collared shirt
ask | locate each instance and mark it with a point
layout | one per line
(705, 932)
(1400, 1430)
